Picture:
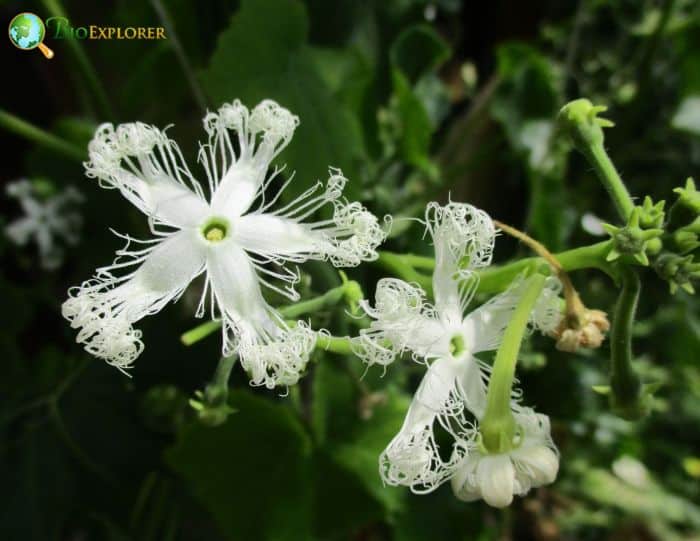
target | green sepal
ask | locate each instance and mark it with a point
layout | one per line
(637, 407)
(211, 412)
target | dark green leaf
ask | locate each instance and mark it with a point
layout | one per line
(263, 54)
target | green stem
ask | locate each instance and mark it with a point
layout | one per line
(495, 279)
(43, 138)
(329, 298)
(401, 266)
(608, 175)
(498, 425)
(335, 344)
(83, 63)
(180, 53)
(199, 332)
(624, 382)
(223, 371)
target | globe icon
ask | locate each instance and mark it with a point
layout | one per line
(27, 32)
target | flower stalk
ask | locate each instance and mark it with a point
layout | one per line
(580, 326)
(580, 120)
(18, 126)
(348, 290)
(212, 405)
(498, 427)
(626, 390)
(496, 278)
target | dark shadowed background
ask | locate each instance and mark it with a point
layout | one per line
(415, 100)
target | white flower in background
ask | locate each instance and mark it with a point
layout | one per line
(454, 385)
(46, 220)
(238, 247)
(498, 477)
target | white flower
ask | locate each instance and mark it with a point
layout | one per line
(239, 246)
(498, 477)
(454, 385)
(45, 220)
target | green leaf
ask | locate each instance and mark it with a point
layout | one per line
(416, 53)
(418, 50)
(252, 473)
(360, 452)
(355, 443)
(263, 54)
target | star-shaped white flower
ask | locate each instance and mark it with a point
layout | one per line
(46, 220)
(498, 477)
(240, 247)
(453, 390)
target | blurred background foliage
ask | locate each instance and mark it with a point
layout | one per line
(415, 101)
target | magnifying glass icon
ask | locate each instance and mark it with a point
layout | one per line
(27, 32)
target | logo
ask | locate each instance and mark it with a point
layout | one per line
(27, 32)
(62, 29)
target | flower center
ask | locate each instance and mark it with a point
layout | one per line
(215, 229)
(457, 345)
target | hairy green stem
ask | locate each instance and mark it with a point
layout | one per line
(336, 344)
(223, 371)
(329, 298)
(83, 64)
(495, 279)
(608, 175)
(402, 267)
(624, 381)
(497, 426)
(42, 138)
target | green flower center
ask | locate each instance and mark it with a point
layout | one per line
(457, 345)
(215, 229)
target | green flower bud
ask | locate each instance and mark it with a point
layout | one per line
(633, 240)
(580, 120)
(212, 405)
(652, 214)
(679, 271)
(689, 196)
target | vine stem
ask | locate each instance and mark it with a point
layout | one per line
(329, 298)
(32, 133)
(498, 425)
(336, 344)
(624, 382)
(83, 63)
(497, 278)
(608, 175)
(574, 306)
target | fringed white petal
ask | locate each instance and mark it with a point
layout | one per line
(463, 237)
(270, 351)
(348, 238)
(412, 458)
(498, 477)
(237, 293)
(104, 308)
(484, 327)
(496, 480)
(148, 169)
(402, 321)
(237, 168)
(277, 360)
(547, 313)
